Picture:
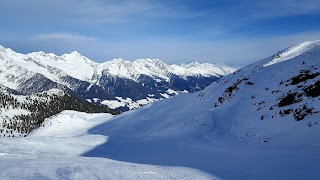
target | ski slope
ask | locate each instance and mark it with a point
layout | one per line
(54, 151)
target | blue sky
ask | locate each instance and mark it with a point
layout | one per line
(236, 32)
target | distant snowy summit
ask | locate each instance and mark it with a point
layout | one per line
(157, 69)
(117, 83)
(82, 68)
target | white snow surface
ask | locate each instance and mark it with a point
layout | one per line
(294, 51)
(55, 151)
(71, 122)
(121, 102)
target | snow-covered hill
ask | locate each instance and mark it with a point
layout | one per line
(20, 114)
(116, 83)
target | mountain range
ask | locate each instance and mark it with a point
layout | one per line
(118, 84)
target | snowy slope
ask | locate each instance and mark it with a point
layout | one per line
(69, 123)
(243, 126)
(20, 114)
(138, 80)
(54, 152)
(294, 51)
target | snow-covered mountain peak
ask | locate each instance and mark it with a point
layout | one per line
(159, 69)
(192, 64)
(155, 64)
(148, 60)
(7, 52)
(76, 56)
(73, 53)
(205, 69)
(48, 64)
(40, 55)
(116, 61)
(1, 47)
(76, 53)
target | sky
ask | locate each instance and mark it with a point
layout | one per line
(235, 32)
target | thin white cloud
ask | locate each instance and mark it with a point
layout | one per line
(62, 36)
(89, 12)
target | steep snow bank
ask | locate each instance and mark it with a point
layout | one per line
(295, 51)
